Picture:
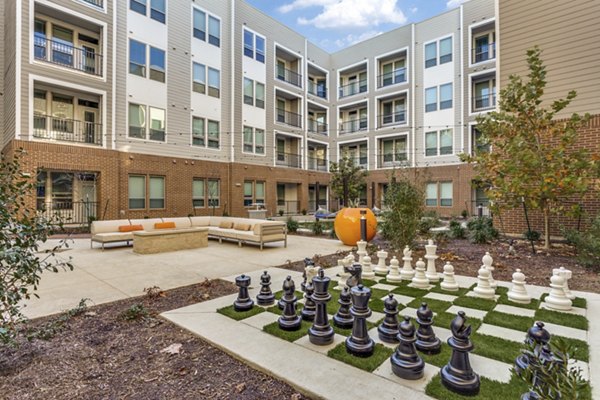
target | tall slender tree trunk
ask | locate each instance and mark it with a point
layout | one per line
(546, 228)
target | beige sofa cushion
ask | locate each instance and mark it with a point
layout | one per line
(257, 226)
(226, 225)
(200, 221)
(112, 236)
(216, 221)
(107, 226)
(147, 223)
(240, 226)
(180, 222)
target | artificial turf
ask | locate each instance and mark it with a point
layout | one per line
(516, 322)
(290, 336)
(230, 312)
(475, 303)
(561, 318)
(370, 364)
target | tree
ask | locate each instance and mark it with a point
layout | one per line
(347, 179)
(534, 158)
(22, 232)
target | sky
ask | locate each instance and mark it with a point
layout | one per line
(336, 24)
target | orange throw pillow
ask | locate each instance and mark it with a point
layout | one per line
(225, 224)
(130, 228)
(164, 225)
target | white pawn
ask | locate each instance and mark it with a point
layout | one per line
(381, 269)
(483, 288)
(449, 282)
(407, 272)
(557, 300)
(518, 293)
(343, 275)
(487, 261)
(394, 275)
(431, 273)
(367, 271)
(420, 279)
(566, 274)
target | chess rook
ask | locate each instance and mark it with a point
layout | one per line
(389, 328)
(449, 281)
(243, 301)
(289, 321)
(420, 279)
(359, 343)
(381, 269)
(427, 342)
(394, 274)
(406, 363)
(309, 310)
(430, 256)
(266, 296)
(343, 319)
(321, 333)
(407, 272)
(518, 293)
(457, 375)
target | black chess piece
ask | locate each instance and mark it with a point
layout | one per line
(289, 321)
(243, 301)
(538, 336)
(321, 333)
(355, 271)
(406, 363)
(359, 343)
(457, 375)
(266, 296)
(389, 328)
(309, 310)
(343, 319)
(427, 342)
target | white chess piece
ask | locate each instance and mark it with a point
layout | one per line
(557, 300)
(343, 275)
(449, 282)
(518, 293)
(483, 288)
(367, 271)
(407, 272)
(394, 275)
(362, 250)
(487, 261)
(566, 275)
(430, 256)
(381, 269)
(420, 279)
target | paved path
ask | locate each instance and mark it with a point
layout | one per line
(118, 273)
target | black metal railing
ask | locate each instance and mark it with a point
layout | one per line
(317, 90)
(288, 160)
(353, 88)
(317, 126)
(353, 125)
(397, 159)
(97, 3)
(67, 56)
(288, 206)
(395, 118)
(289, 76)
(289, 118)
(69, 212)
(481, 208)
(391, 78)
(317, 164)
(484, 102)
(484, 53)
(67, 130)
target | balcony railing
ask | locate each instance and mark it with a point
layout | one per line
(289, 118)
(481, 208)
(97, 3)
(392, 78)
(317, 90)
(315, 126)
(397, 159)
(354, 125)
(67, 56)
(396, 118)
(317, 164)
(484, 53)
(353, 88)
(289, 76)
(67, 130)
(358, 161)
(484, 102)
(69, 212)
(288, 160)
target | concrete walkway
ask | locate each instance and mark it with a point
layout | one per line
(118, 273)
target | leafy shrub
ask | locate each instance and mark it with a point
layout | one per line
(587, 244)
(464, 214)
(532, 236)
(456, 230)
(404, 208)
(440, 237)
(481, 230)
(292, 225)
(317, 227)
(280, 212)
(135, 312)
(425, 224)
(303, 211)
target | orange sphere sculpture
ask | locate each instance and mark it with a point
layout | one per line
(347, 225)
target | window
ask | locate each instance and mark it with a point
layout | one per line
(259, 192)
(138, 6)
(158, 10)
(137, 58)
(260, 95)
(199, 84)
(431, 99)
(431, 194)
(254, 46)
(248, 192)
(444, 138)
(446, 194)
(485, 94)
(157, 192)
(431, 144)
(248, 139)
(199, 24)
(445, 141)
(213, 134)
(214, 28)
(392, 73)
(157, 64)
(248, 91)
(394, 150)
(214, 82)
(248, 43)
(157, 124)
(445, 50)
(137, 121)
(214, 31)
(198, 132)
(393, 112)
(254, 193)
(137, 192)
(260, 49)
(254, 140)
(431, 55)
(214, 192)
(477, 142)
(198, 193)
(446, 96)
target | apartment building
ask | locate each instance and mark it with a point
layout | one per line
(167, 108)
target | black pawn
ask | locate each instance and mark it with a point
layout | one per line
(359, 343)
(309, 310)
(243, 301)
(289, 321)
(321, 333)
(406, 363)
(266, 296)
(457, 375)
(537, 336)
(427, 342)
(343, 319)
(388, 330)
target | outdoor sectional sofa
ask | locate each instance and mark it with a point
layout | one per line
(240, 230)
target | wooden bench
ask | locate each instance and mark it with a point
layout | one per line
(163, 240)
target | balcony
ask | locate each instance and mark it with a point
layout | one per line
(288, 160)
(390, 119)
(317, 164)
(484, 53)
(315, 126)
(289, 76)
(354, 125)
(68, 56)
(67, 130)
(317, 89)
(484, 102)
(389, 159)
(392, 78)
(289, 118)
(353, 88)
(358, 161)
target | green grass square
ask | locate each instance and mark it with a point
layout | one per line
(489, 390)
(475, 303)
(369, 282)
(578, 302)
(230, 312)
(439, 360)
(276, 310)
(290, 336)
(437, 306)
(535, 303)
(561, 318)
(410, 291)
(516, 322)
(369, 364)
(496, 348)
